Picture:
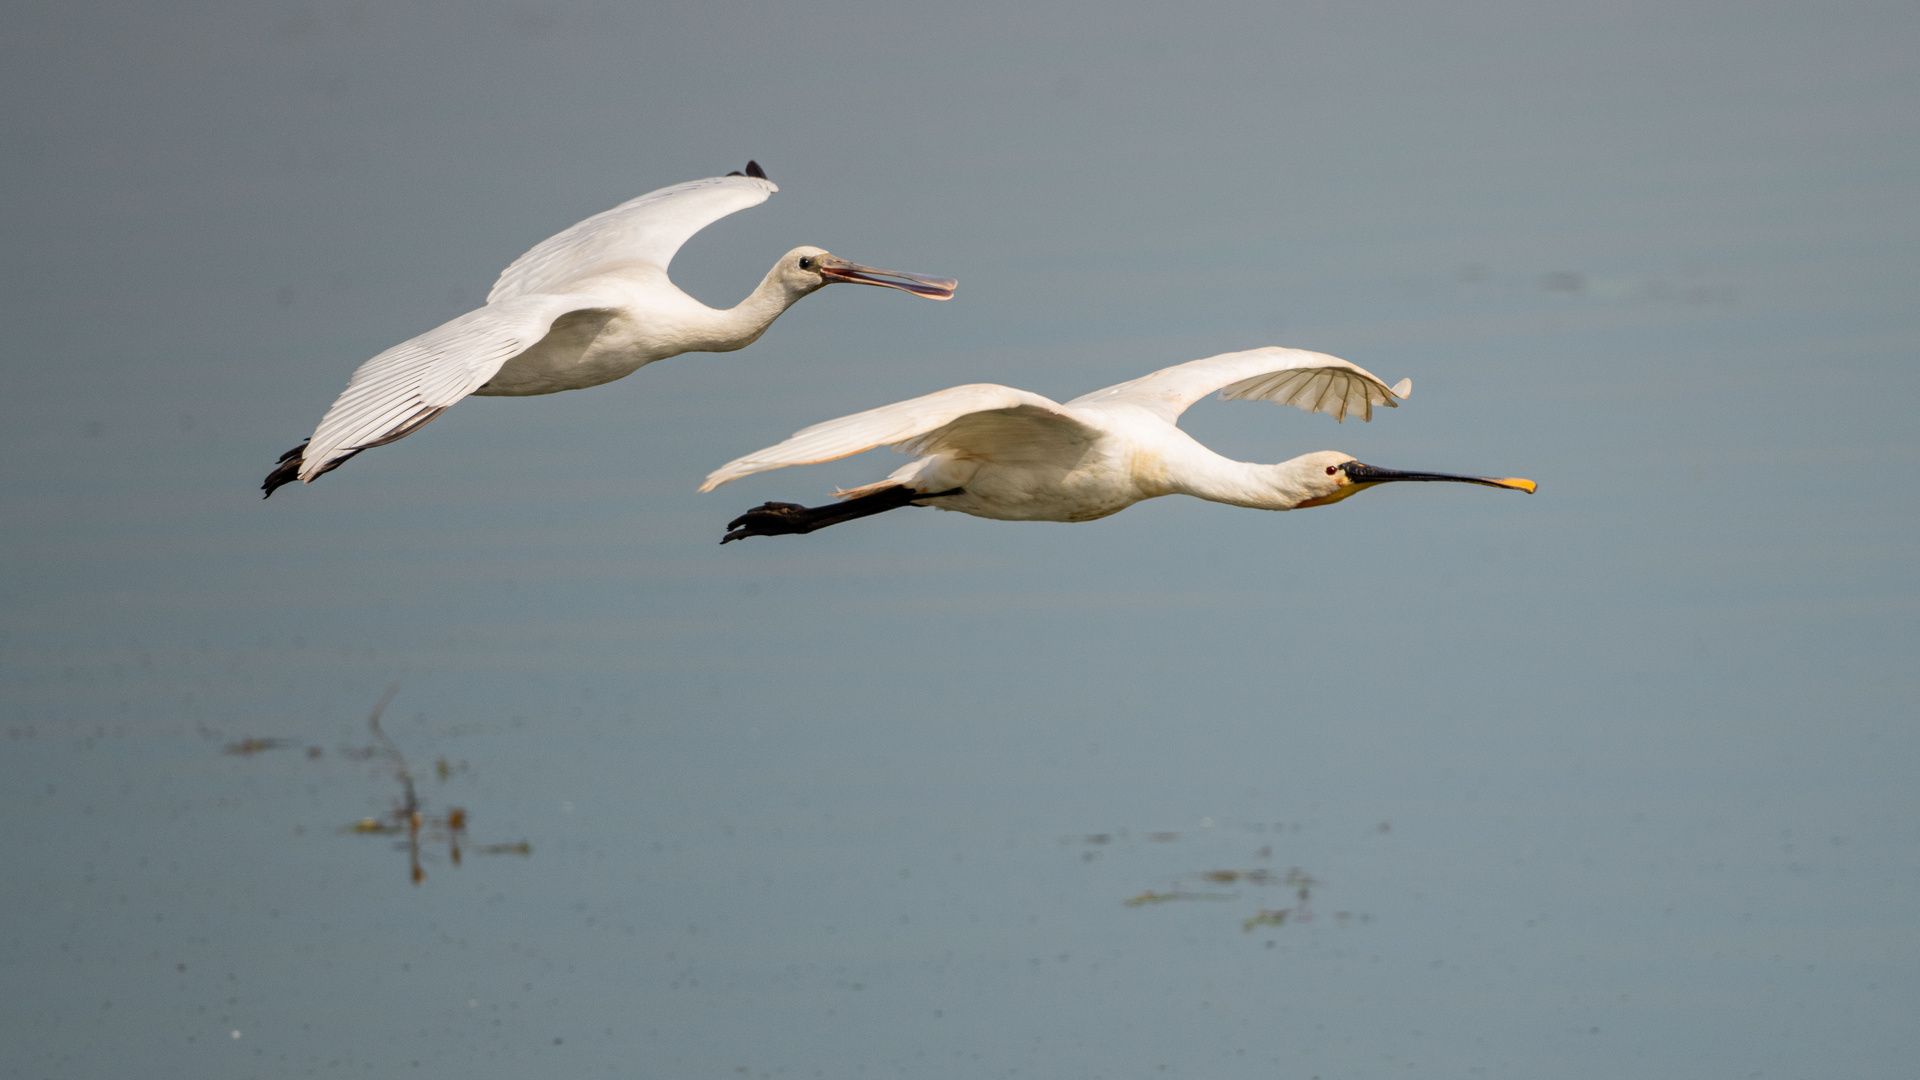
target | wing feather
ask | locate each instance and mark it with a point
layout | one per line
(648, 229)
(1312, 381)
(416, 380)
(967, 419)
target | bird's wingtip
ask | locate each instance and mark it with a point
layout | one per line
(286, 470)
(1402, 388)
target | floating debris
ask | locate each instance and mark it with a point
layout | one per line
(247, 747)
(1303, 884)
(1151, 897)
(1266, 918)
(1228, 877)
(371, 825)
(409, 815)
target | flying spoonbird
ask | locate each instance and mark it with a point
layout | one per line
(996, 452)
(588, 306)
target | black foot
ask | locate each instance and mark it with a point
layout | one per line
(769, 519)
(775, 519)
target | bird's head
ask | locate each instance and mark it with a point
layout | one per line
(805, 269)
(1329, 476)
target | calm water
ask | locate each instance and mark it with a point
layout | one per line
(1616, 780)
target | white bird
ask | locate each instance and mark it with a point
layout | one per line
(588, 306)
(996, 452)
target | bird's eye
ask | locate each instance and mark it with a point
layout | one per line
(1331, 469)
(806, 262)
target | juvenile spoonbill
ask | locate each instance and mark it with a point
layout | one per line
(587, 306)
(996, 452)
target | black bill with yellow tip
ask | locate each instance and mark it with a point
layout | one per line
(1373, 474)
(1361, 476)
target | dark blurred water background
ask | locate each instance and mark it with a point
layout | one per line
(1616, 780)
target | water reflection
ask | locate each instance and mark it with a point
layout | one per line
(423, 829)
(409, 814)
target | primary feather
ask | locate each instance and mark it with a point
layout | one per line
(1312, 381)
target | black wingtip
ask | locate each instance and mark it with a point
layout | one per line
(754, 170)
(286, 472)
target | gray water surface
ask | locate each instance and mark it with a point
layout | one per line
(1614, 780)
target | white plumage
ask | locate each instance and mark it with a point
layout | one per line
(648, 229)
(587, 306)
(997, 452)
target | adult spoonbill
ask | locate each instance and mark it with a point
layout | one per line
(996, 452)
(587, 306)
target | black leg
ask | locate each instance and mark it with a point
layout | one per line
(777, 519)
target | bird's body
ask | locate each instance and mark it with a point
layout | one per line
(997, 452)
(629, 319)
(1124, 462)
(587, 306)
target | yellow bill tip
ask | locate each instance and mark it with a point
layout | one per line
(1515, 483)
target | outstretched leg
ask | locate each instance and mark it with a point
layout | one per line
(774, 519)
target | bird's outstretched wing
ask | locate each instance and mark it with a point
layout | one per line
(648, 229)
(397, 391)
(1312, 381)
(979, 420)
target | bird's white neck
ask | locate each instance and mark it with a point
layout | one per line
(742, 324)
(1240, 483)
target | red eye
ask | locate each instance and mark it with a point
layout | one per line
(1331, 469)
